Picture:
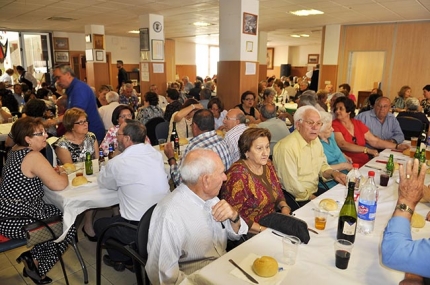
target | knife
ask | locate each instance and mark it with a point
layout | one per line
(373, 167)
(243, 271)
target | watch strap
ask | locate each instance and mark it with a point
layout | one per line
(404, 208)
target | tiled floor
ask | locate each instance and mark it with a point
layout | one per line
(11, 272)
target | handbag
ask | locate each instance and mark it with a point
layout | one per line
(288, 225)
(43, 230)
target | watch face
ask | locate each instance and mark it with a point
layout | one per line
(402, 207)
(157, 26)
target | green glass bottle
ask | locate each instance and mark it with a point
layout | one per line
(422, 158)
(390, 165)
(347, 224)
(417, 153)
(88, 164)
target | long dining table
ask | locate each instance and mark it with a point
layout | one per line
(315, 262)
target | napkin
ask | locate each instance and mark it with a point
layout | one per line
(246, 264)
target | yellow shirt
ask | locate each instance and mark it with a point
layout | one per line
(299, 165)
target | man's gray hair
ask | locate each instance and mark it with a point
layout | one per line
(241, 117)
(299, 114)
(112, 96)
(64, 68)
(412, 104)
(268, 111)
(192, 169)
(208, 85)
(135, 130)
(205, 94)
(326, 119)
(269, 91)
(308, 98)
(128, 85)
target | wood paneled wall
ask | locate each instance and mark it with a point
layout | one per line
(97, 74)
(328, 73)
(186, 70)
(275, 71)
(262, 74)
(114, 75)
(170, 59)
(406, 48)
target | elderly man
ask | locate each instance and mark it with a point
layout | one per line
(187, 84)
(26, 77)
(138, 175)
(299, 159)
(17, 93)
(106, 111)
(80, 95)
(329, 88)
(234, 124)
(128, 97)
(204, 136)
(162, 101)
(277, 127)
(381, 122)
(122, 74)
(190, 227)
(398, 249)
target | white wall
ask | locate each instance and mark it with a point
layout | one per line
(281, 55)
(185, 53)
(298, 55)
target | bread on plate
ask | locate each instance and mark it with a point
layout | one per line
(265, 266)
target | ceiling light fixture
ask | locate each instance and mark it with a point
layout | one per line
(133, 32)
(306, 12)
(201, 24)
(295, 36)
(304, 35)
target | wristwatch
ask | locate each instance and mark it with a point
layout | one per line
(405, 208)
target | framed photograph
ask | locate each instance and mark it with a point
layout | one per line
(249, 24)
(269, 57)
(88, 38)
(98, 41)
(99, 55)
(61, 43)
(313, 58)
(157, 49)
(249, 46)
(62, 56)
(144, 39)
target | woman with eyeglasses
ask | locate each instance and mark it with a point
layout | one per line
(217, 108)
(247, 107)
(21, 193)
(73, 146)
(352, 135)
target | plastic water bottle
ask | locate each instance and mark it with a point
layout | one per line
(367, 205)
(354, 175)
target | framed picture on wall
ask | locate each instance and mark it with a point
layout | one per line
(249, 24)
(269, 57)
(157, 50)
(313, 58)
(62, 56)
(61, 43)
(144, 39)
(99, 55)
(98, 41)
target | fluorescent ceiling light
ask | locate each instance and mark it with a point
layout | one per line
(306, 12)
(201, 24)
(304, 35)
(133, 32)
(295, 36)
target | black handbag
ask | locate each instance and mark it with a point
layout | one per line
(288, 225)
(43, 230)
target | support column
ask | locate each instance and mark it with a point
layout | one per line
(152, 53)
(95, 52)
(330, 54)
(262, 56)
(238, 40)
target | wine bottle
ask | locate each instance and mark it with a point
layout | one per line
(88, 164)
(175, 138)
(347, 224)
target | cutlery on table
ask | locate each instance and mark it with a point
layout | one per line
(313, 209)
(243, 271)
(373, 167)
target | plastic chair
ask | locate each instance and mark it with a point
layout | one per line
(150, 129)
(162, 131)
(411, 127)
(139, 258)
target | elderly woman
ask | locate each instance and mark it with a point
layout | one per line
(268, 97)
(281, 95)
(174, 103)
(335, 158)
(425, 103)
(247, 107)
(217, 108)
(412, 105)
(73, 146)
(399, 103)
(322, 96)
(184, 119)
(150, 108)
(352, 135)
(252, 186)
(21, 193)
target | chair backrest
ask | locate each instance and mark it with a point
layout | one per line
(142, 232)
(162, 130)
(51, 156)
(150, 129)
(411, 127)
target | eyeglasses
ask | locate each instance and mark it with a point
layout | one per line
(128, 116)
(40, 134)
(118, 134)
(312, 123)
(231, 119)
(81, 122)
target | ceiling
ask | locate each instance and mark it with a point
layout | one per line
(121, 16)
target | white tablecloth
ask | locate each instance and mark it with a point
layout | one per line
(4, 131)
(316, 261)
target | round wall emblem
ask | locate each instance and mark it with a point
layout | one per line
(157, 27)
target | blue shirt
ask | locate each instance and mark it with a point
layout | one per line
(334, 156)
(388, 130)
(402, 253)
(80, 95)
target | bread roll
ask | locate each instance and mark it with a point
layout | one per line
(328, 204)
(79, 180)
(406, 152)
(265, 266)
(69, 167)
(417, 221)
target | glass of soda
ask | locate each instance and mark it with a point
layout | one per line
(342, 250)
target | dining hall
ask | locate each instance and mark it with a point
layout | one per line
(214, 142)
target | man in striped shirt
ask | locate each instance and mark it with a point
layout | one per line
(234, 123)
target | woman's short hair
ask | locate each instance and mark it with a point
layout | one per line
(117, 111)
(189, 102)
(35, 108)
(326, 119)
(279, 83)
(105, 88)
(71, 116)
(412, 104)
(321, 94)
(427, 87)
(249, 136)
(349, 105)
(151, 98)
(172, 94)
(25, 127)
(403, 90)
(246, 93)
(267, 92)
(216, 101)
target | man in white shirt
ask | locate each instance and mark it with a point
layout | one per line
(190, 227)
(106, 111)
(162, 101)
(138, 175)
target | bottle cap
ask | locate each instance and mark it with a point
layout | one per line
(356, 165)
(371, 173)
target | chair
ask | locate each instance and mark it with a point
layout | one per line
(49, 150)
(139, 258)
(162, 130)
(150, 129)
(411, 127)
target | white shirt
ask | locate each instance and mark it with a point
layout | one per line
(184, 237)
(162, 102)
(106, 114)
(220, 121)
(6, 78)
(232, 138)
(139, 177)
(278, 129)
